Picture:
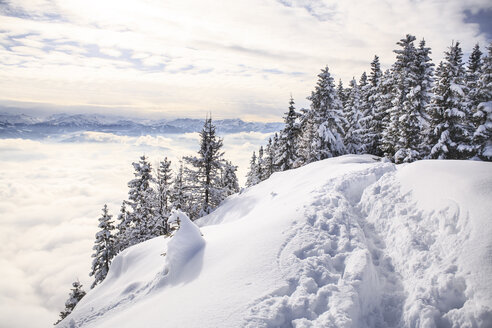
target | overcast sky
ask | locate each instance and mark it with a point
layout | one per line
(187, 57)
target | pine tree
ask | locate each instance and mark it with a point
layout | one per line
(450, 130)
(353, 115)
(121, 236)
(229, 180)
(269, 161)
(421, 96)
(261, 164)
(141, 199)
(286, 156)
(482, 117)
(252, 178)
(373, 116)
(342, 93)
(412, 121)
(163, 183)
(207, 170)
(384, 110)
(179, 196)
(76, 294)
(104, 247)
(326, 118)
(473, 72)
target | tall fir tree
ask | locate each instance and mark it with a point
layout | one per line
(121, 236)
(76, 294)
(141, 200)
(229, 181)
(269, 161)
(104, 247)
(286, 157)
(179, 196)
(252, 177)
(206, 171)
(326, 116)
(482, 117)
(417, 77)
(352, 112)
(450, 129)
(162, 208)
(373, 116)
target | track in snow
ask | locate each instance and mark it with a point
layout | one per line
(335, 267)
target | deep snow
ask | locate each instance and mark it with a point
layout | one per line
(346, 242)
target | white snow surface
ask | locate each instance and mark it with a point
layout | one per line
(345, 242)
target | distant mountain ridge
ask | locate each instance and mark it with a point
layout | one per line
(25, 126)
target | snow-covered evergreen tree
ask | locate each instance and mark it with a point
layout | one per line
(352, 112)
(162, 208)
(229, 180)
(206, 171)
(450, 129)
(121, 236)
(141, 200)
(76, 294)
(417, 81)
(384, 105)
(326, 118)
(252, 177)
(342, 93)
(373, 116)
(473, 73)
(269, 160)
(179, 196)
(286, 154)
(104, 247)
(482, 117)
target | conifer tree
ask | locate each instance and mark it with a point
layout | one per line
(141, 200)
(252, 177)
(162, 208)
(326, 118)
(412, 122)
(353, 115)
(229, 180)
(373, 116)
(286, 153)
(261, 164)
(269, 161)
(121, 236)
(179, 196)
(206, 171)
(342, 93)
(76, 294)
(383, 107)
(473, 73)
(482, 117)
(104, 247)
(450, 129)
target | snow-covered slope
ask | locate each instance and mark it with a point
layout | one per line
(345, 242)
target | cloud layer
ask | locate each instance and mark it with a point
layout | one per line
(181, 58)
(51, 195)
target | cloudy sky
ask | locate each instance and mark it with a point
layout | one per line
(185, 57)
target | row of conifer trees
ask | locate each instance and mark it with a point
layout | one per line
(197, 188)
(411, 111)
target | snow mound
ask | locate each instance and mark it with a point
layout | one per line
(346, 242)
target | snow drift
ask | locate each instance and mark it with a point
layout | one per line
(346, 242)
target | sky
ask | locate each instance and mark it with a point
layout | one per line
(51, 196)
(184, 58)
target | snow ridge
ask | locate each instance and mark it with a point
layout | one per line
(336, 273)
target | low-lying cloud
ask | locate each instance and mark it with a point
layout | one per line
(51, 195)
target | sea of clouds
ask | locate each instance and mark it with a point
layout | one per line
(51, 195)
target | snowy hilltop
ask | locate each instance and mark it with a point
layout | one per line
(352, 241)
